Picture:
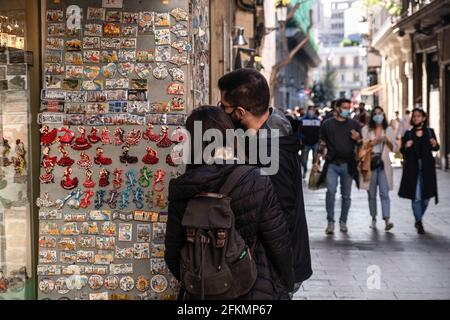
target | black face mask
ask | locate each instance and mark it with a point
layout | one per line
(237, 123)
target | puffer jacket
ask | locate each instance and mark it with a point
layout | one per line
(258, 216)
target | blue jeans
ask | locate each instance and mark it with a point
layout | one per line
(305, 155)
(379, 180)
(334, 172)
(420, 205)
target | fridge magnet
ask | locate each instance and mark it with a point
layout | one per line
(47, 256)
(49, 229)
(74, 217)
(68, 257)
(100, 196)
(16, 69)
(94, 138)
(125, 68)
(147, 16)
(177, 74)
(133, 137)
(96, 96)
(91, 72)
(106, 139)
(47, 242)
(93, 269)
(65, 160)
(96, 108)
(85, 161)
(158, 250)
(81, 143)
(130, 31)
(100, 215)
(75, 45)
(130, 17)
(105, 243)
(111, 30)
(111, 84)
(69, 183)
(162, 19)
(143, 232)
(125, 254)
(116, 95)
(74, 108)
(175, 89)
(91, 43)
(77, 282)
(113, 16)
(93, 30)
(138, 107)
(95, 282)
(127, 55)
(109, 70)
(142, 284)
(85, 256)
(108, 229)
(17, 83)
(91, 56)
(178, 135)
(111, 283)
(72, 270)
(179, 60)
(73, 32)
(75, 58)
(128, 43)
(159, 107)
(118, 136)
(92, 85)
(55, 44)
(137, 95)
(56, 29)
(159, 283)
(46, 285)
(141, 251)
(110, 43)
(150, 135)
(126, 283)
(165, 141)
(182, 46)
(158, 232)
(55, 15)
(145, 27)
(138, 84)
(71, 84)
(75, 97)
(49, 270)
(143, 71)
(54, 69)
(104, 257)
(151, 158)
(180, 14)
(162, 54)
(158, 266)
(96, 14)
(162, 37)
(51, 56)
(67, 244)
(145, 56)
(74, 72)
(161, 72)
(125, 232)
(109, 57)
(180, 30)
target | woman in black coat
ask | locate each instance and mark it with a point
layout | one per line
(258, 215)
(419, 182)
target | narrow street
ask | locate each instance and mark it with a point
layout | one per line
(412, 266)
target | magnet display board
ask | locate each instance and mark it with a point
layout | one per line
(116, 92)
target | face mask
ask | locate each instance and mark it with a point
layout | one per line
(237, 123)
(378, 118)
(345, 113)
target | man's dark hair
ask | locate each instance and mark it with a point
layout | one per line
(248, 89)
(333, 104)
(408, 112)
(340, 102)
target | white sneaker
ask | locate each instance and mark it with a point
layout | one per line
(330, 228)
(344, 228)
(373, 225)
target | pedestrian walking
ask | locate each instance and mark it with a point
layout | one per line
(361, 115)
(381, 140)
(258, 220)
(419, 180)
(404, 125)
(340, 137)
(245, 97)
(309, 136)
(395, 122)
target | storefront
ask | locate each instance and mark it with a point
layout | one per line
(92, 114)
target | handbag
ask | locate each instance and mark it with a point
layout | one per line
(315, 181)
(377, 161)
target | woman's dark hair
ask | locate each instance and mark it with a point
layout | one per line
(246, 88)
(211, 118)
(372, 124)
(422, 112)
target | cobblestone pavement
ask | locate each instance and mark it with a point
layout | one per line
(411, 266)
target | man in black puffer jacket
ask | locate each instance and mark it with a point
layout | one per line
(246, 98)
(258, 217)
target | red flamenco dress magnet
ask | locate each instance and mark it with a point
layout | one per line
(106, 139)
(48, 161)
(81, 143)
(151, 157)
(48, 137)
(67, 137)
(85, 161)
(165, 140)
(48, 177)
(88, 183)
(104, 178)
(93, 137)
(65, 160)
(178, 136)
(68, 183)
(100, 159)
(150, 135)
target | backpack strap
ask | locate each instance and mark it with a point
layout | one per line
(234, 178)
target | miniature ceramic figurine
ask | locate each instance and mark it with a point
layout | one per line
(65, 160)
(68, 183)
(151, 157)
(93, 137)
(100, 159)
(81, 143)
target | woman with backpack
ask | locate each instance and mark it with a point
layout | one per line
(200, 259)
(419, 181)
(381, 138)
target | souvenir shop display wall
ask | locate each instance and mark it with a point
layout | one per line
(113, 108)
(14, 189)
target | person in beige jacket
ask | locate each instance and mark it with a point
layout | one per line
(382, 139)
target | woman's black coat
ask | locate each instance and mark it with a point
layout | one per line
(258, 216)
(411, 166)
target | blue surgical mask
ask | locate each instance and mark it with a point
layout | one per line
(345, 113)
(378, 118)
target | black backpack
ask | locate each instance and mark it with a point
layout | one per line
(216, 264)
